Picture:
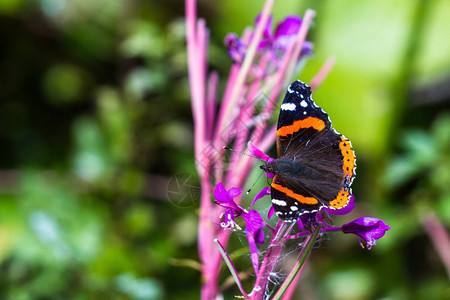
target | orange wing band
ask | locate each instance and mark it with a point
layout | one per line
(349, 156)
(315, 123)
(341, 199)
(299, 198)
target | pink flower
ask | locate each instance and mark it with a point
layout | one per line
(261, 155)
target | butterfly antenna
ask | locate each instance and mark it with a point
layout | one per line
(240, 152)
(250, 189)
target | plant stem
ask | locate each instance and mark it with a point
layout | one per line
(303, 256)
(270, 260)
(301, 233)
(248, 60)
(323, 72)
(231, 267)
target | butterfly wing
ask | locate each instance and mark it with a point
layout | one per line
(301, 120)
(290, 199)
(305, 137)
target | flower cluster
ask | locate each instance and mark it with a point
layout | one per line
(254, 224)
(274, 42)
(367, 229)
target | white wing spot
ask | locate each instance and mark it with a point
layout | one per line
(303, 103)
(289, 90)
(288, 106)
(304, 112)
(294, 208)
(279, 202)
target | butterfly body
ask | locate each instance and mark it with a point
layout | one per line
(315, 165)
(291, 167)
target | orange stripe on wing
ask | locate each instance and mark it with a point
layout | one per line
(299, 198)
(341, 199)
(315, 123)
(349, 156)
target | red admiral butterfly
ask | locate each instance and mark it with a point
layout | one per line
(315, 165)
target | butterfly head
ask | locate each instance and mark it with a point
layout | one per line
(269, 167)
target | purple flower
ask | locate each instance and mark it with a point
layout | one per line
(224, 198)
(276, 42)
(254, 224)
(368, 229)
(236, 48)
(285, 33)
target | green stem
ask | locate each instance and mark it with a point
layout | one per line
(231, 267)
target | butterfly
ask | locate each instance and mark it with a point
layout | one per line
(315, 164)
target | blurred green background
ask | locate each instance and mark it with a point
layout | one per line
(95, 126)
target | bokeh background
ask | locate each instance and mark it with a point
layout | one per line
(95, 129)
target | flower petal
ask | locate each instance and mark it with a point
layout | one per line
(258, 153)
(253, 229)
(224, 198)
(236, 48)
(261, 155)
(259, 237)
(271, 212)
(253, 252)
(369, 229)
(220, 193)
(253, 221)
(287, 31)
(234, 192)
(264, 192)
(269, 175)
(267, 33)
(300, 224)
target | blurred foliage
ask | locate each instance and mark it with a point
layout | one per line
(95, 127)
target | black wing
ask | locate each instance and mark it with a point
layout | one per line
(301, 121)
